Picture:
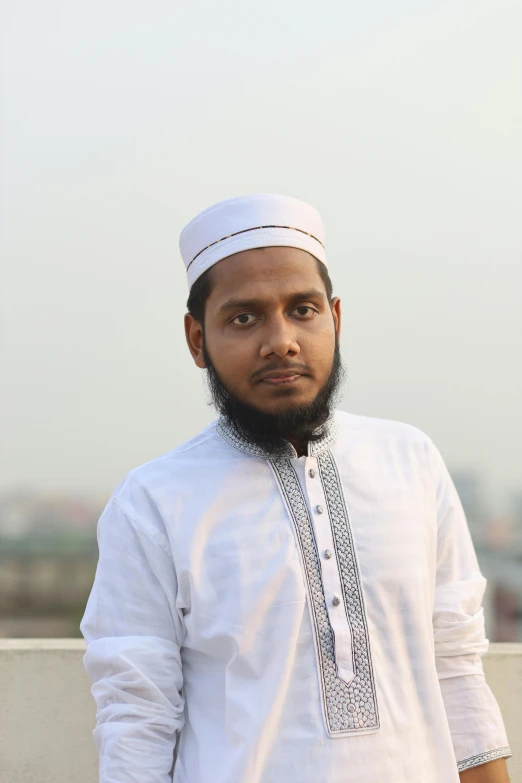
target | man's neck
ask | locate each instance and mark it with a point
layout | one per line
(300, 447)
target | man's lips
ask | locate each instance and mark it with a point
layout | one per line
(282, 379)
(281, 376)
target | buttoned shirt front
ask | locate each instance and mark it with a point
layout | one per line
(262, 618)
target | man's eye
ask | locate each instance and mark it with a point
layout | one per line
(305, 310)
(242, 320)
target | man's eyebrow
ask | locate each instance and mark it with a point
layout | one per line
(239, 304)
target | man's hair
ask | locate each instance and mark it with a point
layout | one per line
(202, 288)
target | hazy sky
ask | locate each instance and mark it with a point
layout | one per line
(401, 122)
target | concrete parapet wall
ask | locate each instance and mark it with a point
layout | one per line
(48, 713)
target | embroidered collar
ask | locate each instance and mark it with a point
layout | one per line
(238, 441)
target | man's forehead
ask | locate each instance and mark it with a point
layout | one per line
(265, 265)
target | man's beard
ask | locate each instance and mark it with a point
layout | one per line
(301, 424)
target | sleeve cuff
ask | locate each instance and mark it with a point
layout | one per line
(483, 758)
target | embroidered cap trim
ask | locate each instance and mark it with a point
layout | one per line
(483, 758)
(244, 231)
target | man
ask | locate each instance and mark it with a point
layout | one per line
(291, 596)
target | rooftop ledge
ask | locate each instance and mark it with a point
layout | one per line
(46, 697)
(495, 648)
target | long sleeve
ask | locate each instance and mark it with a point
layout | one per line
(133, 632)
(473, 714)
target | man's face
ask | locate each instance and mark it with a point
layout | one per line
(269, 328)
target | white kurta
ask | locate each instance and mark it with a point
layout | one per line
(307, 620)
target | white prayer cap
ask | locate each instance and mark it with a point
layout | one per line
(246, 222)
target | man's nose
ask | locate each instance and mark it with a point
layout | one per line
(279, 339)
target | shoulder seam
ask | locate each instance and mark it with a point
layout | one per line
(183, 447)
(190, 445)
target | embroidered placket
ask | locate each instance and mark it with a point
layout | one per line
(331, 578)
(348, 707)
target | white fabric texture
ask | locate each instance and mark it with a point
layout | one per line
(216, 649)
(246, 222)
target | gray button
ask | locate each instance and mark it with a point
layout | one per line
(328, 554)
(336, 601)
(311, 473)
(319, 509)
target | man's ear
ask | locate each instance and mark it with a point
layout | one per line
(194, 337)
(335, 304)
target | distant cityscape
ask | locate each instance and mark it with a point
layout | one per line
(48, 557)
